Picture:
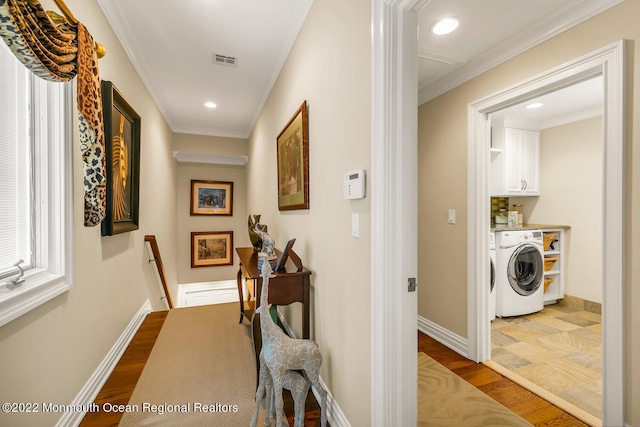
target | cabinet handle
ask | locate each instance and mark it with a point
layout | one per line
(521, 185)
(525, 184)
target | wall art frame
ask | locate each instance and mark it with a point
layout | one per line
(122, 125)
(292, 151)
(211, 248)
(211, 198)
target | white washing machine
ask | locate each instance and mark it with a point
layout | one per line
(492, 267)
(519, 272)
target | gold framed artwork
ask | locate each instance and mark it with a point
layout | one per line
(211, 197)
(122, 155)
(211, 248)
(292, 147)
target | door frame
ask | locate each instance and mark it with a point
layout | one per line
(608, 62)
(394, 211)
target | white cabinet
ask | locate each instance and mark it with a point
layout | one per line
(554, 265)
(515, 162)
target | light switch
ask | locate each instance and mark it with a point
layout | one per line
(452, 216)
(355, 225)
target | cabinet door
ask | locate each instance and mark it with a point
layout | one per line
(531, 163)
(514, 142)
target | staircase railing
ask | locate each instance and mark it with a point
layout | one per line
(151, 239)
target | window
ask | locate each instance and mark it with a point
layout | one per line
(35, 188)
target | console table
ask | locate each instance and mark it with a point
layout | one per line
(285, 288)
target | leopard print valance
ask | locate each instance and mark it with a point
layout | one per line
(60, 53)
(47, 50)
(91, 130)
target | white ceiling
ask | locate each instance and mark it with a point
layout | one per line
(483, 25)
(577, 102)
(172, 44)
(172, 47)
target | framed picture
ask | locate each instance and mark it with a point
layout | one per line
(122, 149)
(211, 248)
(293, 162)
(284, 256)
(211, 198)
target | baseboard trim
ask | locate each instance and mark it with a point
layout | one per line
(455, 342)
(335, 416)
(89, 392)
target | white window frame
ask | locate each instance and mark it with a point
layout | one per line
(51, 274)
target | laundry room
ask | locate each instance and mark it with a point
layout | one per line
(546, 169)
(546, 186)
(582, 191)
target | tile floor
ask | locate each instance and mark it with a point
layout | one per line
(558, 348)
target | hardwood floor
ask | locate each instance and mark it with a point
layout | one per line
(120, 384)
(528, 405)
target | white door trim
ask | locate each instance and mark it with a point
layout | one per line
(609, 62)
(394, 207)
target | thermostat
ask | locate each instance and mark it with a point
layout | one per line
(353, 184)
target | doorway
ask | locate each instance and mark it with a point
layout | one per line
(607, 62)
(556, 351)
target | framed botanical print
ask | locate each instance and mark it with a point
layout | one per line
(292, 147)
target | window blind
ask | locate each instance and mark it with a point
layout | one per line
(15, 163)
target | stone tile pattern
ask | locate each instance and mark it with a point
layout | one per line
(558, 349)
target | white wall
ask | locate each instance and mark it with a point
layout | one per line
(48, 354)
(571, 158)
(188, 223)
(330, 67)
(206, 146)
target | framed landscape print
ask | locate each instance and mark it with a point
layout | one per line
(211, 197)
(211, 248)
(292, 148)
(122, 154)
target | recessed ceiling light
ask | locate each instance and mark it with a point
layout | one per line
(535, 105)
(210, 105)
(445, 26)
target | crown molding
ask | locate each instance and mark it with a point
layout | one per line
(116, 19)
(516, 45)
(571, 118)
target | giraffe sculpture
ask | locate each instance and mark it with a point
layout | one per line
(293, 381)
(281, 353)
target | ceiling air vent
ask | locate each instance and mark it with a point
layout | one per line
(229, 61)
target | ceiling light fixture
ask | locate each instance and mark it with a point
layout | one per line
(210, 104)
(535, 105)
(445, 26)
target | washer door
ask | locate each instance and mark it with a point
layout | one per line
(526, 269)
(493, 273)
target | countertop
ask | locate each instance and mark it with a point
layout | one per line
(505, 227)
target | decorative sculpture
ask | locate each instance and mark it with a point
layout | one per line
(256, 240)
(281, 353)
(293, 381)
(268, 246)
